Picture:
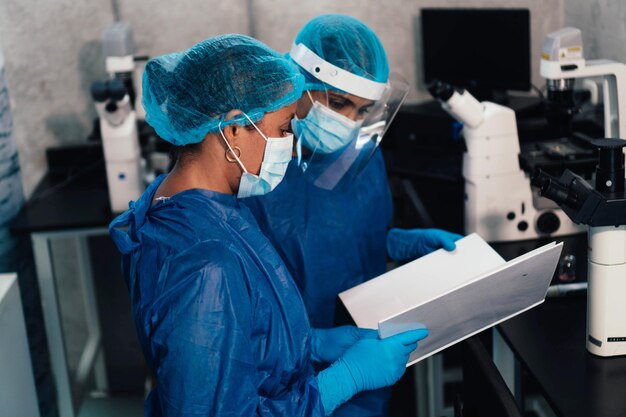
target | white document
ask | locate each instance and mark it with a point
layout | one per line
(454, 294)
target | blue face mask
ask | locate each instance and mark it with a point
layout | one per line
(324, 130)
(276, 158)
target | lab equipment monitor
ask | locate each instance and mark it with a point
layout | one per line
(483, 50)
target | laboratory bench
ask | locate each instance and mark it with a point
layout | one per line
(71, 209)
(549, 343)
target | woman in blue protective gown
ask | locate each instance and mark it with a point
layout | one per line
(329, 218)
(219, 318)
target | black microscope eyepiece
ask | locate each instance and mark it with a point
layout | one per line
(117, 89)
(610, 169)
(99, 91)
(440, 90)
(551, 188)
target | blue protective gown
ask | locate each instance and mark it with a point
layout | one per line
(330, 241)
(219, 318)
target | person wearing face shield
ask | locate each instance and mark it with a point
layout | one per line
(329, 218)
(220, 320)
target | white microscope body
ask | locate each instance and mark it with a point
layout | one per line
(120, 141)
(118, 116)
(120, 61)
(601, 205)
(606, 309)
(499, 201)
(562, 61)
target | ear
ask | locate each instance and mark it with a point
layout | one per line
(233, 132)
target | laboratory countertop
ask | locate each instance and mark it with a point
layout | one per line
(549, 340)
(64, 204)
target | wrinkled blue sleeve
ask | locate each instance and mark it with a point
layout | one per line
(201, 342)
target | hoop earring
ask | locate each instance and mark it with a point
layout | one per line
(237, 154)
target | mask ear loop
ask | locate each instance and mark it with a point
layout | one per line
(310, 97)
(325, 92)
(235, 156)
(327, 99)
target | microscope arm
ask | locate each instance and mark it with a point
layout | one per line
(459, 103)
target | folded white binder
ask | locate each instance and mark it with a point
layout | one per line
(454, 294)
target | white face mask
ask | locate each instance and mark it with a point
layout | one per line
(276, 158)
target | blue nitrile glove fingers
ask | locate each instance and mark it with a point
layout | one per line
(327, 345)
(379, 363)
(369, 364)
(403, 245)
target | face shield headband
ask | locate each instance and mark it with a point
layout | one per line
(335, 76)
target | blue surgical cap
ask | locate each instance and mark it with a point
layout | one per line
(187, 94)
(346, 43)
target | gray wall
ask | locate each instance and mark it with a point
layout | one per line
(603, 24)
(395, 23)
(53, 51)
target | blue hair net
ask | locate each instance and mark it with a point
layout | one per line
(346, 43)
(186, 94)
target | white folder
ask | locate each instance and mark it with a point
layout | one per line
(453, 294)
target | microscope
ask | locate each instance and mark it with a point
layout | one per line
(115, 103)
(499, 202)
(603, 209)
(562, 62)
(120, 141)
(122, 64)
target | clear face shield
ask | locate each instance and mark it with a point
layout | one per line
(333, 149)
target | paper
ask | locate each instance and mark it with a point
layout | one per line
(454, 294)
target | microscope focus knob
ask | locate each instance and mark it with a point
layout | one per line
(548, 223)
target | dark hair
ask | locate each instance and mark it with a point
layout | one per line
(179, 154)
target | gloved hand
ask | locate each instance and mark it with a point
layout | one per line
(369, 364)
(327, 345)
(404, 245)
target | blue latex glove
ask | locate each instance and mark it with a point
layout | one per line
(404, 245)
(327, 345)
(369, 364)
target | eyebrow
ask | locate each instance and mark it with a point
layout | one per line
(350, 102)
(339, 96)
